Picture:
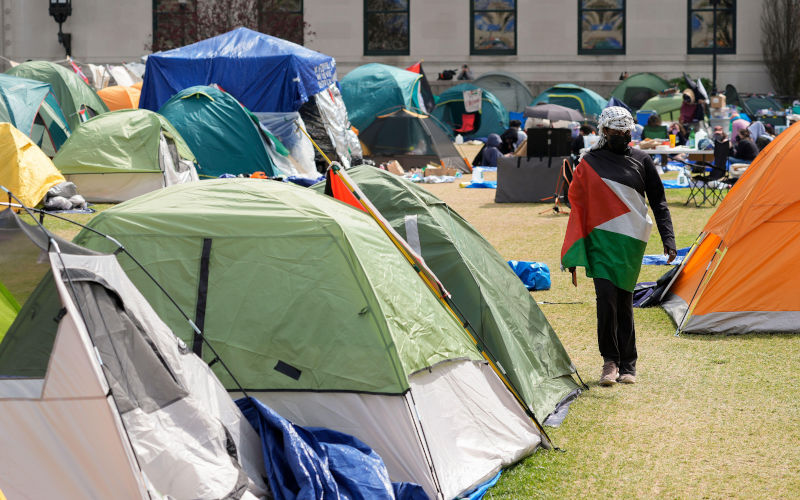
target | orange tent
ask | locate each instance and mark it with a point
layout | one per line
(741, 274)
(118, 97)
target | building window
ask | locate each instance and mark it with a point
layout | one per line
(601, 27)
(386, 27)
(282, 18)
(493, 27)
(701, 26)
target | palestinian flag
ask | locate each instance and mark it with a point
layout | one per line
(608, 224)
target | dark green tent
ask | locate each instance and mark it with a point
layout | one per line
(638, 88)
(485, 290)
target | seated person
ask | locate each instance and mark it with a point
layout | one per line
(492, 151)
(511, 137)
(579, 142)
(654, 128)
(744, 150)
(679, 132)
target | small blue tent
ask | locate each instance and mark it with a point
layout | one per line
(31, 106)
(224, 136)
(373, 88)
(266, 74)
(588, 102)
(492, 118)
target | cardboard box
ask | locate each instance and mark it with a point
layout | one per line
(718, 101)
(430, 170)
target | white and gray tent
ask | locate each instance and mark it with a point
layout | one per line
(98, 399)
(508, 88)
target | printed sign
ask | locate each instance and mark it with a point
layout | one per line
(472, 100)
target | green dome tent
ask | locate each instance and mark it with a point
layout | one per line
(484, 288)
(31, 106)
(507, 87)
(372, 88)
(321, 318)
(223, 135)
(122, 154)
(588, 102)
(9, 308)
(638, 88)
(668, 107)
(492, 118)
(77, 99)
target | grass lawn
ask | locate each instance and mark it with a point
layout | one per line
(710, 417)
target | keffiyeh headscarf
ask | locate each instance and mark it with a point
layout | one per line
(613, 117)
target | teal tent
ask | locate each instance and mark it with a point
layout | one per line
(223, 135)
(492, 118)
(483, 286)
(588, 102)
(31, 106)
(373, 88)
(77, 99)
(319, 316)
(638, 88)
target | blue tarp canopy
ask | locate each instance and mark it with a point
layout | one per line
(266, 74)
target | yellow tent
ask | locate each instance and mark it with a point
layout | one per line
(26, 171)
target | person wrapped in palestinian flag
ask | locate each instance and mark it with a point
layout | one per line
(607, 234)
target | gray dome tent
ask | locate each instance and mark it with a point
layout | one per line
(507, 87)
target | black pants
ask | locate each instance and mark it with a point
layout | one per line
(615, 333)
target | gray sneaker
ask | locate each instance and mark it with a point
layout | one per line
(627, 378)
(610, 374)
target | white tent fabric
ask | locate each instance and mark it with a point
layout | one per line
(286, 127)
(455, 428)
(69, 440)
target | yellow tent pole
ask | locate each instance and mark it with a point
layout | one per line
(303, 130)
(438, 291)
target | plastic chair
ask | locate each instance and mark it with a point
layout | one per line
(710, 180)
(467, 124)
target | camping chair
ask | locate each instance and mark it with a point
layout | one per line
(709, 180)
(655, 132)
(467, 123)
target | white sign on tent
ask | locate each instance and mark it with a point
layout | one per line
(472, 100)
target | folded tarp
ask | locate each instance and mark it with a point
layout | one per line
(534, 275)
(312, 463)
(661, 260)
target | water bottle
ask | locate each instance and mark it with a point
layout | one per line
(682, 179)
(459, 139)
(477, 174)
(690, 142)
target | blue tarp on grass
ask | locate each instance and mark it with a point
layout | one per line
(534, 275)
(312, 463)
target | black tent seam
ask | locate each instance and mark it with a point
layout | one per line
(202, 298)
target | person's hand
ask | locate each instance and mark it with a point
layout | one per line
(574, 276)
(671, 253)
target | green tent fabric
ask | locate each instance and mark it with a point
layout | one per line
(509, 88)
(77, 99)
(31, 106)
(223, 135)
(588, 102)
(294, 279)
(667, 107)
(483, 286)
(8, 310)
(373, 88)
(638, 88)
(493, 118)
(126, 140)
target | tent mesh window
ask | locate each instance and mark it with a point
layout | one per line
(386, 27)
(493, 27)
(601, 27)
